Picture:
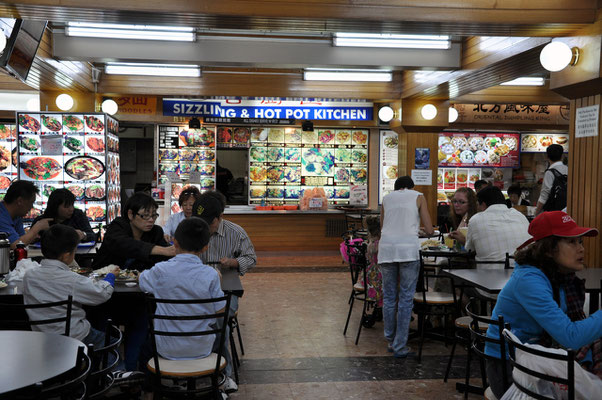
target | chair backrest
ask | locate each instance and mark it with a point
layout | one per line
(220, 317)
(15, 316)
(545, 360)
(104, 359)
(479, 337)
(356, 252)
(427, 274)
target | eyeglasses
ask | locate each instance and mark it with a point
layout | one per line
(459, 202)
(150, 217)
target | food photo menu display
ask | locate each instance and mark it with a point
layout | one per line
(8, 156)
(389, 158)
(538, 143)
(79, 152)
(283, 162)
(184, 152)
(233, 137)
(498, 150)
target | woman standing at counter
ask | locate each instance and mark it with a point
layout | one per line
(188, 196)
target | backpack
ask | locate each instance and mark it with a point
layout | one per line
(558, 192)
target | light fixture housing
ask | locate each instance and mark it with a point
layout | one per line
(109, 106)
(428, 112)
(347, 75)
(441, 42)
(138, 32)
(556, 56)
(386, 114)
(64, 102)
(194, 123)
(526, 81)
(453, 115)
(149, 69)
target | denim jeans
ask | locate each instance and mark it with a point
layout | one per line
(399, 286)
(97, 338)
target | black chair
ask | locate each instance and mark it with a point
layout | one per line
(104, 360)
(569, 358)
(15, 317)
(188, 370)
(357, 269)
(234, 325)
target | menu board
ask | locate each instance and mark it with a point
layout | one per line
(499, 150)
(388, 159)
(283, 162)
(538, 143)
(181, 152)
(79, 152)
(454, 178)
(8, 156)
(233, 137)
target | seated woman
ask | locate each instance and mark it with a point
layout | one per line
(543, 300)
(61, 209)
(463, 207)
(188, 196)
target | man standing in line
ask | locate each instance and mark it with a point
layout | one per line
(556, 169)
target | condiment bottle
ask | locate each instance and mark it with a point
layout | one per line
(20, 251)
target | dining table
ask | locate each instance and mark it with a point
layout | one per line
(32, 357)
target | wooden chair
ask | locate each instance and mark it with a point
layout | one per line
(357, 269)
(15, 317)
(104, 360)
(189, 370)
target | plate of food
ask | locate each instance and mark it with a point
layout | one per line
(257, 154)
(317, 162)
(275, 192)
(169, 154)
(95, 213)
(475, 143)
(325, 136)
(275, 174)
(257, 174)
(561, 140)
(480, 157)
(502, 150)
(343, 155)
(84, 168)
(41, 168)
(449, 176)
(259, 134)
(276, 135)
(391, 172)
(29, 143)
(47, 190)
(241, 135)
(95, 192)
(5, 158)
(490, 142)
(343, 137)
(545, 141)
(447, 148)
(224, 135)
(275, 154)
(257, 192)
(7, 131)
(124, 275)
(358, 175)
(94, 124)
(95, 144)
(391, 142)
(73, 144)
(494, 157)
(77, 190)
(292, 174)
(292, 136)
(29, 123)
(292, 192)
(207, 183)
(73, 123)
(341, 174)
(467, 157)
(511, 142)
(341, 192)
(359, 156)
(187, 155)
(360, 137)
(206, 155)
(462, 177)
(460, 143)
(206, 169)
(51, 123)
(529, 142)
(309, 137)
(292, 154)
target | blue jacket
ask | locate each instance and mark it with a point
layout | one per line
(527, 304)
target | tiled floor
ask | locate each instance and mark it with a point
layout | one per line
(292, 320)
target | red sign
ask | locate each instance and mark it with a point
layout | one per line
(479, 150)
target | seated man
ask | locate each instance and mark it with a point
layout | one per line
(514, 197)
(54, 281)
(185, 277)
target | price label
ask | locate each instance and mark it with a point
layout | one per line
(316, 202)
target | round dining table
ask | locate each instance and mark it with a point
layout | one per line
(32, 357)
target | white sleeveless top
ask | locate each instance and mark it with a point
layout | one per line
(399, 233)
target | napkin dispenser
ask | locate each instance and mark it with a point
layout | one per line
(4, 253)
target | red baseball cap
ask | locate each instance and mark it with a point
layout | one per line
(556, 223)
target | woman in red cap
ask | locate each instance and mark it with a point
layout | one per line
(543, 299)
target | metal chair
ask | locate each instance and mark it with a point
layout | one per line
(15, 316)
(234, 325)
(357, 269)
(104, 360)
(188, 370)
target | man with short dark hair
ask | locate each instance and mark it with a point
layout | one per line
(480, 184)
(515, 197)
(557, 167)
(17, 202)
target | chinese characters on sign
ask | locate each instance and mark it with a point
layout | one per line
(513, 114)
(137, 105)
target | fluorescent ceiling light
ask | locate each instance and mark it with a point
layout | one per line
(347, 75)
(390, 40)
(193, 71)
(140, 32)
(525, 81)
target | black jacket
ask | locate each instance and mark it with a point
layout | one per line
(77, 221)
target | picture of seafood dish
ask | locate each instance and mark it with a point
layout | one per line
(241, 135)
(343, 137)
(275, 174)
(95, 192)
(84, 168)
(73, 123)
(29, 143)
(276, 135)
(29, 123)
(491, 142)
(206, 155)
(545, 141)
(326, 136)
(95, 213)
(259, 134)
(494, 158)
(207, 183)
(41, 168)
(292, 154)
(317, 162)
(206, 169)
(359, 156)
(5, 158)
(4, 182)
(341, 174)
(391, 172)
(480, 157)
(529, 142)
(292, 174)
(358, 175)
(460, 143)
(343, 155)
(359, 137)
(275, 192)
(257, 154)
(48, 189)
(467, 157)
(449, 176)
(292, 136)
(257, 174)
(224, 135)
(188, 155)
(51, 123)
(510, 142)
(309, 137)
(7, 131)
(73, 143)
(93, 123)
(341, 193)
(391, 142)
(257, 191)
(274, 154)
(291, 192)
(96, 144)
(475, 143)
(78, 191)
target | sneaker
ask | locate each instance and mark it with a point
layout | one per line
(404, 353)
(128, 376)
(229, 385)
(390, 348)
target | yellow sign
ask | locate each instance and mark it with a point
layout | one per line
(136, 105)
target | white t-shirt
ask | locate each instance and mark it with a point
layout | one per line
(548, 180)
(399, 233)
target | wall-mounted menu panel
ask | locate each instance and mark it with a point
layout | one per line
(539, 142)
(388, 159)
(8, 156)
(498, 150)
